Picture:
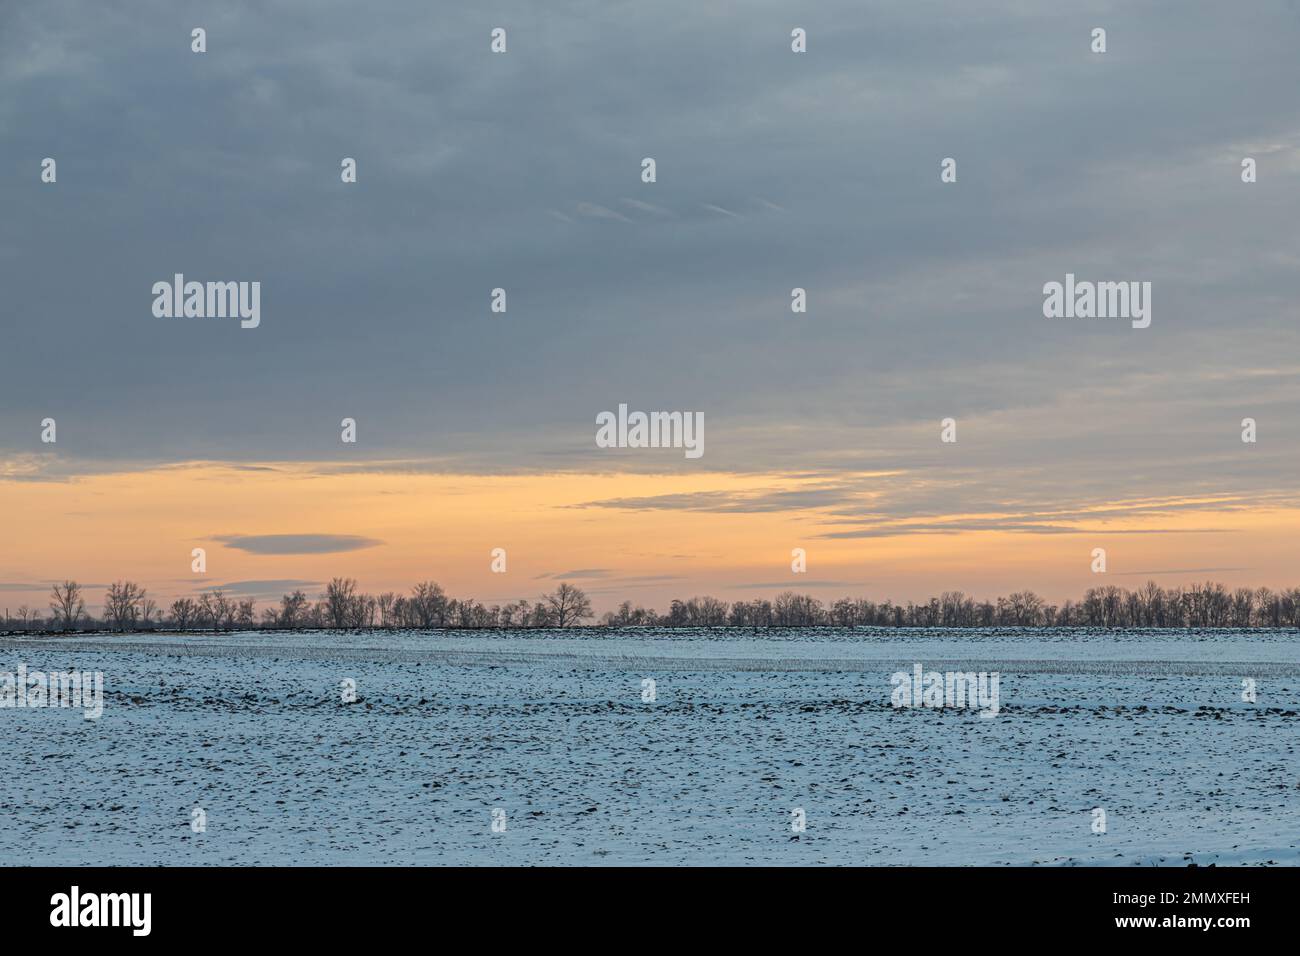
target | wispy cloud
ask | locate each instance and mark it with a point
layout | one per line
(647, 207)
(795, 584)
(1122, 574)
(591, 210)
(296, 543)
(577, 574)
(271, 586)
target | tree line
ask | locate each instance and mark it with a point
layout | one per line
(128, 607)
(1197, 605)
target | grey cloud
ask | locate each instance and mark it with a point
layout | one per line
(1179, 571)
(647, 207)
(632, 582)
(275, 586)
(296, 543)
(724, 502)
(795, 585)
(596, 211)
(580, 573)
(1014, 527)
(925, 299)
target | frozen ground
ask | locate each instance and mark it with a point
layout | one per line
(552, 729)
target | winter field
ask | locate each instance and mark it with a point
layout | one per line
(554, 731)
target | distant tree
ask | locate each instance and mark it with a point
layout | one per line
(706, 611)
(184, 611)
(1024, 608)
(568, 605)
(539, 616)
(385, 604)
(796, 610)
(338, 597)
(401, 611)
(225, 608)
(461, 613)
(66, 605)
(428, 605)
(293, 609)
(1268, 608)
(122, 605)
(514, 615)
(216, 609)
(204, 612)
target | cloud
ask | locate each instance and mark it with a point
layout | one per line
(795, 585)
(20, 587)
(275, 586)
(647, 207)
(928, 307)
(580, 573)
(616, 586)
(734, 502)
(296, 543)
(594, 211)
(1007, 527)
(1179, 571)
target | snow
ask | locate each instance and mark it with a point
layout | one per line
(552, 728)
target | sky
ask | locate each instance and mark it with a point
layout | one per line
(523, 171)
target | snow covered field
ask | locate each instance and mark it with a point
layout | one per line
(551, 728)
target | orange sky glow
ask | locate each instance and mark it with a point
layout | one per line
(141, 525)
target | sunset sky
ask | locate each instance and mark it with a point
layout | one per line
(775, 170)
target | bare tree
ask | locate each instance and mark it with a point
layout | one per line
(226, 609)
(122, 605)
(701, 611)
(360, 611)
(338, 597)
(216, 609)
(428, 604)
(567, 605)
(513, 615)
(67, 605)
(385, 604)
(205, 612)
(184, 612)
(1025, 608)
(293, 609)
